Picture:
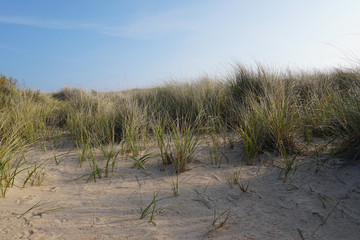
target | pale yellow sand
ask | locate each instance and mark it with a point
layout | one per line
(111, 207)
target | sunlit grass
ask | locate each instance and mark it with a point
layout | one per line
(269, 111)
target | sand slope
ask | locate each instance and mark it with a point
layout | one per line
(111, 207)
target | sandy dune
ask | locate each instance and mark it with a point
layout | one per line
(322, 205)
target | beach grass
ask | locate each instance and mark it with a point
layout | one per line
(270, 111)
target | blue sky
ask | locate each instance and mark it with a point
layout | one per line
(122, 44)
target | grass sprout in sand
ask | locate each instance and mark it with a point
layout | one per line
(184, 141)
(36, 175)
(234, 180)
(12, 148)
(217, 222)
(163, 142)
(152, 210)
(139, 162)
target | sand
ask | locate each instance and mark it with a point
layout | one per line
(310, 205)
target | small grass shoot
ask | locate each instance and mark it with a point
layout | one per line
(218, 221)
(151, 208)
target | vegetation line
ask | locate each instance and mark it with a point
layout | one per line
(268, 111)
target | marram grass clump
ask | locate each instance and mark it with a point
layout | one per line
(272, 112)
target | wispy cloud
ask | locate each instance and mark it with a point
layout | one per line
(140, 28)
(212, 21)
(49, 24)
(169, 22)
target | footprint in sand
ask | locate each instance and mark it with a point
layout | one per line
(24, 235)
(27, 222)
(64, 220)
(22, 200)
